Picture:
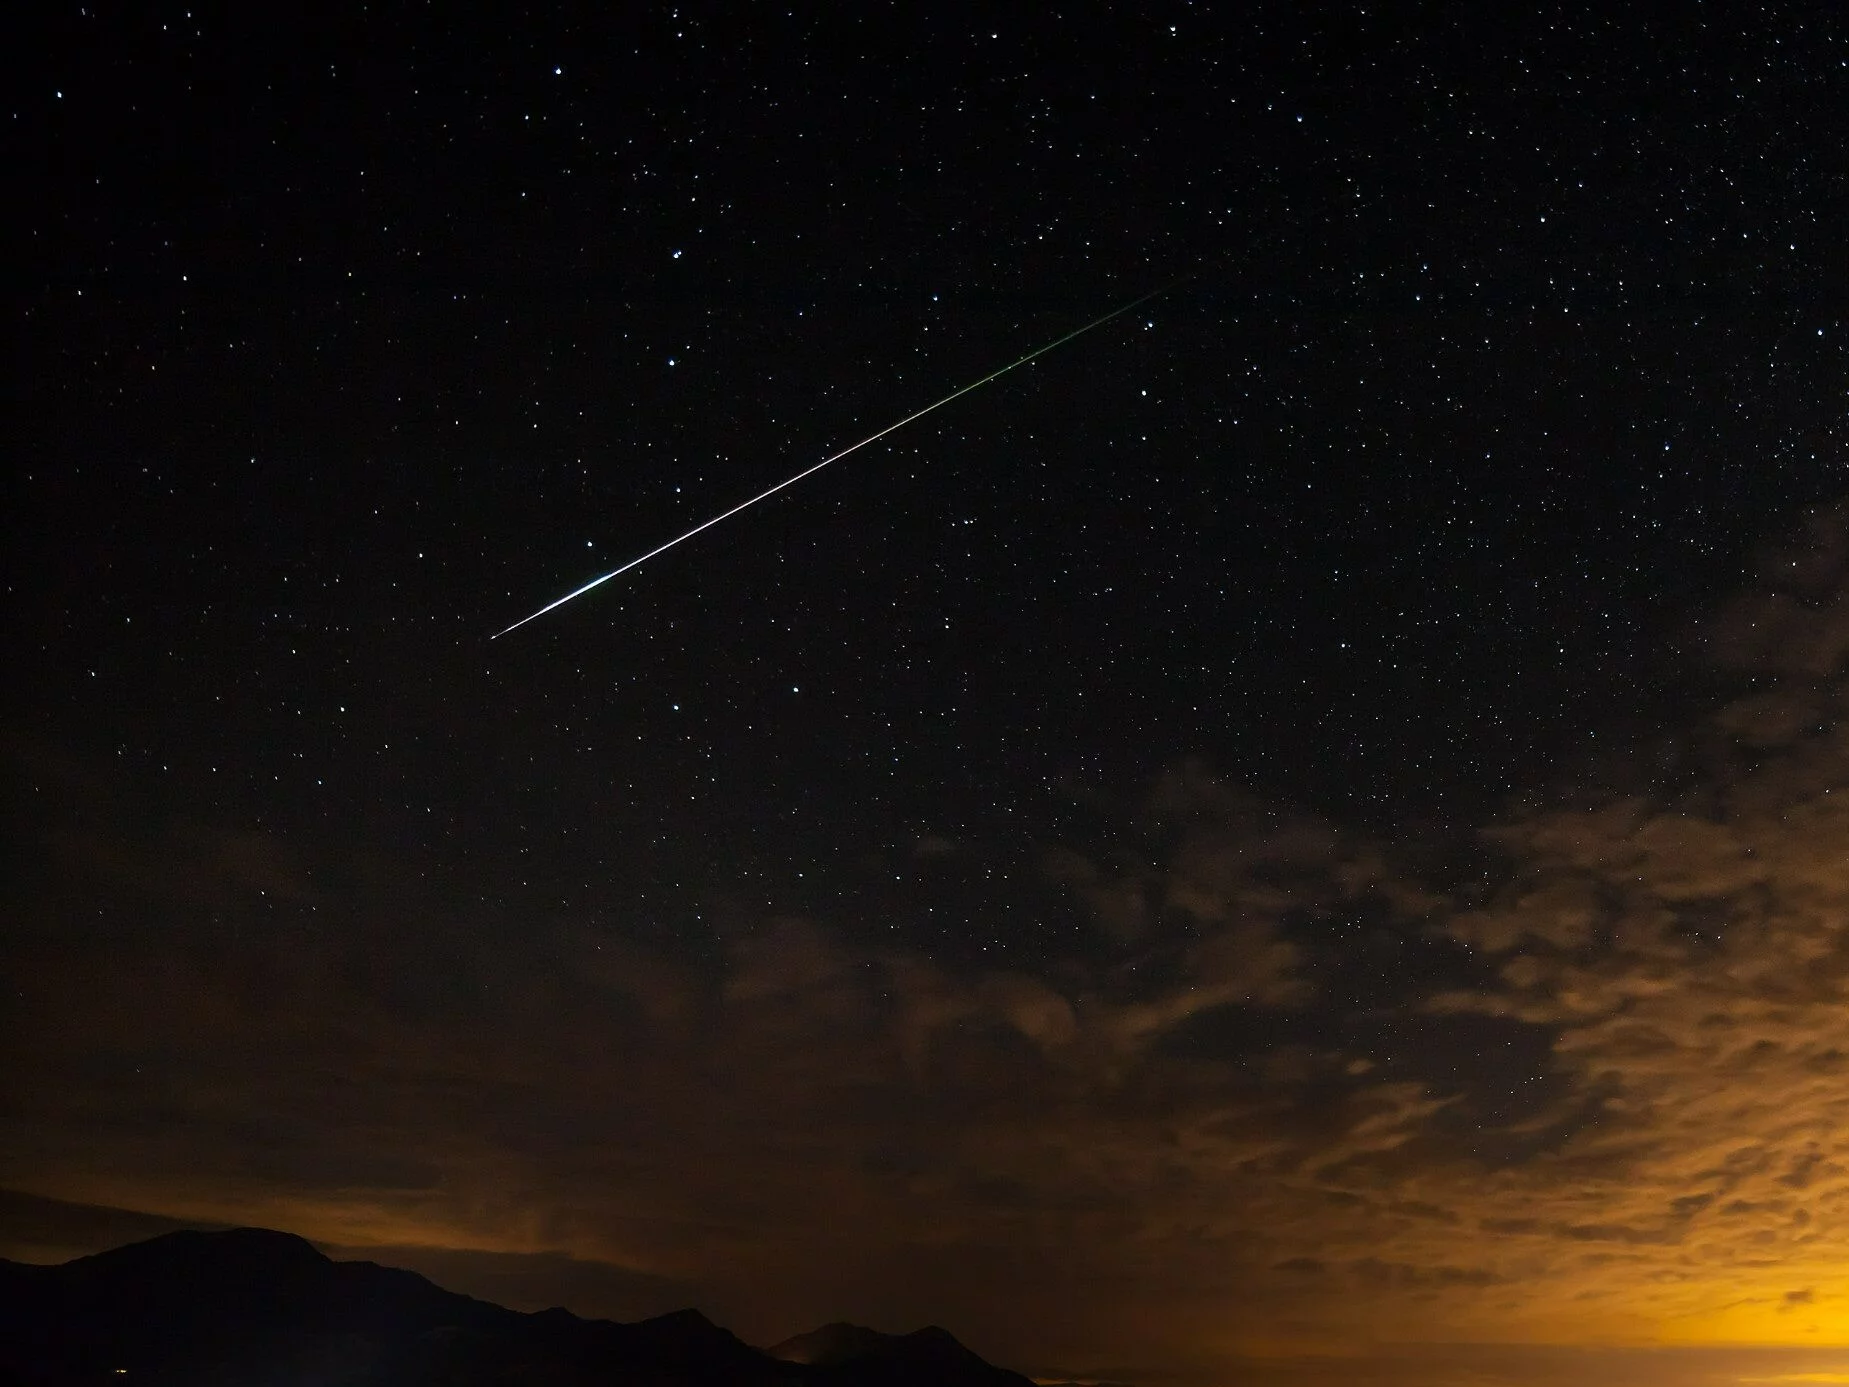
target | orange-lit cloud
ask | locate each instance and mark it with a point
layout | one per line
(1294, 1097)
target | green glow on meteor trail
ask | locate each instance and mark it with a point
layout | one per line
(853, 447)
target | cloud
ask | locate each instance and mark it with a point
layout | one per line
(1287, 1092)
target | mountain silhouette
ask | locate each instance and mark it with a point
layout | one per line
(248, 1306)
(849, 1355)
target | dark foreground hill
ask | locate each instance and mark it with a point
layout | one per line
(256, 1307)
(849, 1354)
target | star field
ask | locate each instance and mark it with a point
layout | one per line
(1170, 728)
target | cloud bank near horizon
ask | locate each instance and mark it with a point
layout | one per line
(1579, 1078)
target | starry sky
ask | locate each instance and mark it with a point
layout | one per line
(1301, 837)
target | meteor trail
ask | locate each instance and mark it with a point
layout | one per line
(852, 447)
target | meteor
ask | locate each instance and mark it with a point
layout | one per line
(817, 467)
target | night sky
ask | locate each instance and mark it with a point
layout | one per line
(1301, 837)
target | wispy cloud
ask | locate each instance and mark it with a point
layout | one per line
(1292, 1092)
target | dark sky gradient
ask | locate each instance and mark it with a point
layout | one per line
(1241, 838)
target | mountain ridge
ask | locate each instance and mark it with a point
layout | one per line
(839, 1343)
(210, 1309)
